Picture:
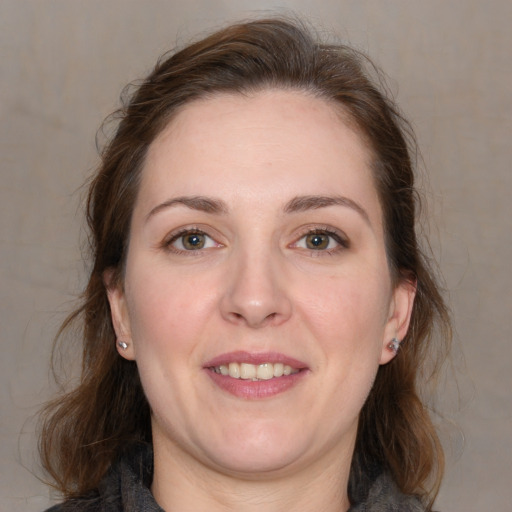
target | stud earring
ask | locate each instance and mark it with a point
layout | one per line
(122, 344)
(394, 345)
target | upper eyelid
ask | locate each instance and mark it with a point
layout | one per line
(328, 230)
(299, 233)
(178, 232)
(340, 238)
(169, 239)
(168, 242)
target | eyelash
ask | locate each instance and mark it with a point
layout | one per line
(339, 237)
(167, 244)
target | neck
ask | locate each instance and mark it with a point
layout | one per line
(182, 483)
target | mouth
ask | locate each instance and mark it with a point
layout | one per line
(254, 372)
(255, 376)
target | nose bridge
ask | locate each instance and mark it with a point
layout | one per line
(255, 294)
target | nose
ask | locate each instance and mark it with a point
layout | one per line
(255, 293)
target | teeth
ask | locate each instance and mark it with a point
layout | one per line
(248, 371)
(234, 370)
(265, 371)
(278, 369)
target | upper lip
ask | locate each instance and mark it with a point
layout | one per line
(255, 358)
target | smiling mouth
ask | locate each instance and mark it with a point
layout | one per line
(254, 372)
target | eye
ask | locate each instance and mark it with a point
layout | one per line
(191, 240)
(321, 240)
(317, 241)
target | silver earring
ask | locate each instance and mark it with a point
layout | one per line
(394, 345)
(122, 344)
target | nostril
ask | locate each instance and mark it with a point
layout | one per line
(253, 321)
(236, 316)
(254, 306)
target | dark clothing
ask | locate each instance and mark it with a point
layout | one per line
(126, 489)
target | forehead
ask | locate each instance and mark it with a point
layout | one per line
(244, 146)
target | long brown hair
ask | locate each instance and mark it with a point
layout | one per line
(84, 430)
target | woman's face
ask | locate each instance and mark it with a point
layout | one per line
(257, 299)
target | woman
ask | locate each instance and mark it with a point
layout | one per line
(259, 309)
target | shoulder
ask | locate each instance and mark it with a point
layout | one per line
(384, 496)
(76, 506)
(81, 505)
(124, 488)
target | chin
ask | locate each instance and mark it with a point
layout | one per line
(253, 450)
(256, 464)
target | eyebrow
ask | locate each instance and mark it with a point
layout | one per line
(296, 205)
(305, 203)
(200, 203)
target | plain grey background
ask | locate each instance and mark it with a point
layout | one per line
(63, 65)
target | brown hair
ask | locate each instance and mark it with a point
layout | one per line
(85, 430)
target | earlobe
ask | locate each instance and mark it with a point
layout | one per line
(119, 315)
(398, 320)
(122, 344)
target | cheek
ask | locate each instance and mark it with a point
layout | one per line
(349, 308)
(167, 310)
(168, 323)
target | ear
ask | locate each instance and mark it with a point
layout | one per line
(119, 313)
(399, 317)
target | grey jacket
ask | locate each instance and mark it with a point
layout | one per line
(126, 489)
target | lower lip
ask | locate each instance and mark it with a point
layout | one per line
(256, 389)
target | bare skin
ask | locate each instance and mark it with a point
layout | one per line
(257, 238)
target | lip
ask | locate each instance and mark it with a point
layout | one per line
(256, 390)
(255, 358)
